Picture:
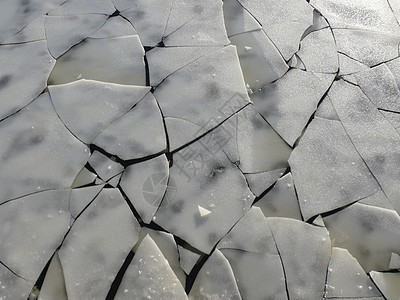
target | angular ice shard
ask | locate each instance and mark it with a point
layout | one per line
(187, 259)
(145, 185)
(63, 32)
(326, 110)
(89, 270)
(304, 249)
(105, 167)
(98, 103)
(371, 234)
(289, 102)
(84, 177)
(388, 283)
(346, 278)
(325, 155)
(137, 134)
(12, 286)
(215, 280)
(281, 200)
(167, 245)
(54, 284)
(40, 153)
(378, 199)
(17, 88)
(37, 222)
(208, 180)
(149, 276)
(118, 60)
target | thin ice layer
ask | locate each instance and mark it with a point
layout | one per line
(118, 60)
(89, 270)
(13, 287)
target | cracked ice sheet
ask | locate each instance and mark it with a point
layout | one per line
(105, 167)
(325, 155)
(17, 88)
(63, 32)
(370, 234)
(388, 283)
(36, 222)
(76, 7)
(210, 181)
(14, 15)
(100, 104)
(373, 136)
(32, 32)
(210, 90)
(89, 270)
(149, 275)
(380, 86)
(118, 60)
(288, 103)
(284, 22)
(318, 52)
(194, 23)
(304, 249)
(145, 184)
(38, 152)
(137, 134)
(12, 286)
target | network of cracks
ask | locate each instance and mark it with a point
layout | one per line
(182, 149)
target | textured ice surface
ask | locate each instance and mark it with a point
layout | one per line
(202, 150)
